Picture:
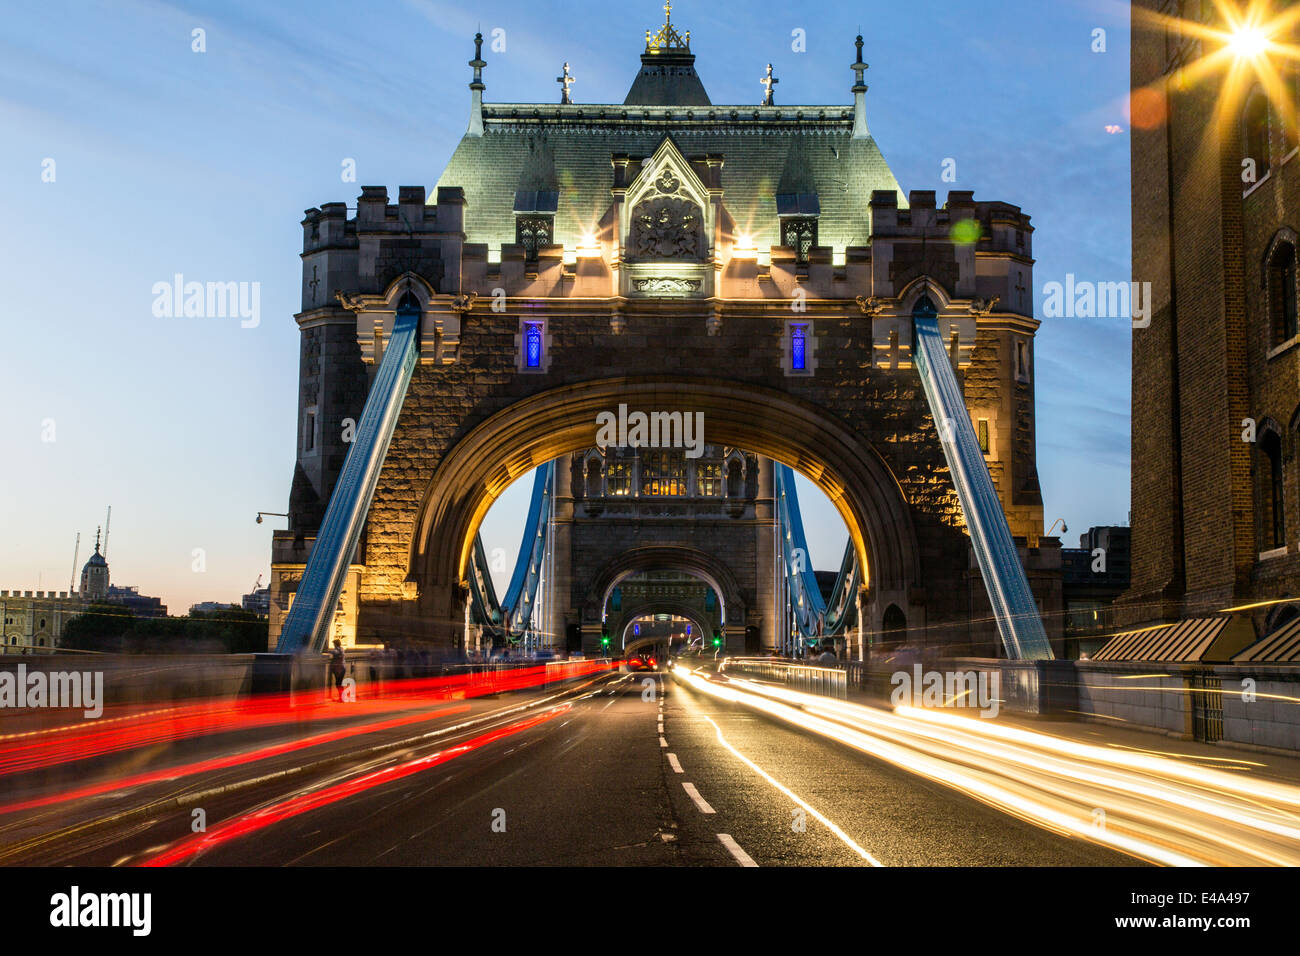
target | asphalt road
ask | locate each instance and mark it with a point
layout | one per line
(628, 770)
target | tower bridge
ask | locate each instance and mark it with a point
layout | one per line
(757, 266)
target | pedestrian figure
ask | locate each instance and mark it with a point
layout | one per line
(337, 668)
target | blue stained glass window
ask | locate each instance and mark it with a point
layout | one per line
(799, 347)
(533, 344)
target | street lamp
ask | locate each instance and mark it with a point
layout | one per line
(277, 514)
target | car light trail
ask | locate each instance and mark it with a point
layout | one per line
(34, 750)
(1162, 809)
(222, 763)
(257, 820)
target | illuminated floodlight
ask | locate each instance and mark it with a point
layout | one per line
(1247, 42)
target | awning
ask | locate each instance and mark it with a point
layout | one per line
(1186, 641)
(1280, 647)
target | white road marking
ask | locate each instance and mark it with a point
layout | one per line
(847, 840)
(743, 858)
(661, 728)
(675, 763)
(700, 803)
(663, 742)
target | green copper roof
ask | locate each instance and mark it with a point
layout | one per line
(766, 151)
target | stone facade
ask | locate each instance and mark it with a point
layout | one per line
(33, 621)
(711, 319)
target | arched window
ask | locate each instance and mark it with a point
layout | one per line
(735, 478)
(1272, 511)
(1255, 133)
(1282, 293)
(893, 626)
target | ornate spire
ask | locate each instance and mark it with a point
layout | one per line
(476, 89)
(97, 530)
(565, 80)
(768, 82)
(859, 94)
(667, 39)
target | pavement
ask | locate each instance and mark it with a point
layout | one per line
(625, 769)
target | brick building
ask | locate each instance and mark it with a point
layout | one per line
(1216, 375)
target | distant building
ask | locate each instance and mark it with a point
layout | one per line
(258, 601)
(94, 575)
(208, 607)
(141, 605)
(1093, 576)
(34, 621)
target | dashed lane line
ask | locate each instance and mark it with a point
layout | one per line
(743, 858)
(700, 803)
(844, 837)
(675, 763)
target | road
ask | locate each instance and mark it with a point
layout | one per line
(620, 770)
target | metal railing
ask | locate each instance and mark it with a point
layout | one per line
(812, 679)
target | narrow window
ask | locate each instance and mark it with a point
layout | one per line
(309, 430)
(533, 344)
(799, 347)
(984, 435)
(1282, 293)
(1270, 445)
(1255, 121)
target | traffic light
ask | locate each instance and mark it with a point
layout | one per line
(717, 637)
(604, 637)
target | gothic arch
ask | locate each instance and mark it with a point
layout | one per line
(700, 564)
(777, 425)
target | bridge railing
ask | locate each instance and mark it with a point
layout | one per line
(810, 678)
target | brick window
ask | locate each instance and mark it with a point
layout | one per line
(1255, 133)
(1282, 293)
(983, 431)
(1274, 511)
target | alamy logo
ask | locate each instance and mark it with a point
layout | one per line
(1098, 300)
(208, 300)
(653, 430)
(75, 908)
(976, 689)
(84, 689)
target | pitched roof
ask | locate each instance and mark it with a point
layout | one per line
(763, 148)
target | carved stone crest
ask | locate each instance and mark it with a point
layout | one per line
(666, 285)
(666, 228)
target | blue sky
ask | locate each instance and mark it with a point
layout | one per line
(170, 161)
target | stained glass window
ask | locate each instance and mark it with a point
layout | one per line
(533, 344)
(799, 347)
